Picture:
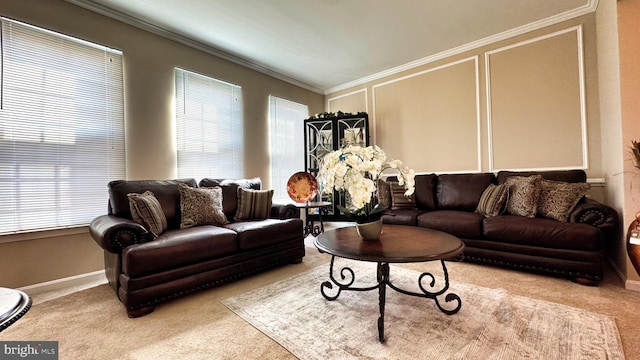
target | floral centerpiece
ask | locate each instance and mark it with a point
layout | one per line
(355, 170)
(635, 151)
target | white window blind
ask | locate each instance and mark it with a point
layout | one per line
(208, 127)
(61, 128)
(286, 142)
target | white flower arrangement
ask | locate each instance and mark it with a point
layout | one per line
(356, 170)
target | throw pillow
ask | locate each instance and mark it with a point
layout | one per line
(201, 206)
(147, 211)
(384, 193)
(493, 200)
(558, 198)
(523, 195)
(253, 204)
(398, 200)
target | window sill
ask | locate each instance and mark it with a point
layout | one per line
(43, 234)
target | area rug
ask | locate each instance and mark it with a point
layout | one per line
(492, 323)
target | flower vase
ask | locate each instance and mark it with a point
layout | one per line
(370, 231)
(633, 243)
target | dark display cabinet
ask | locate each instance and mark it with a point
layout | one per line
(323, 134)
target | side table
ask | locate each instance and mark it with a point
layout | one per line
(310, 227)
(13, 305)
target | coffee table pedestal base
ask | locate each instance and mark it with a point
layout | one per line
(348, 278)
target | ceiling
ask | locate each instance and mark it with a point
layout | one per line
(328, 45)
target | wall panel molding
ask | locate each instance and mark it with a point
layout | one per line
(476, 131)
(366, 99)
(539, 79)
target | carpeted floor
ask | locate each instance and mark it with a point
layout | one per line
(92, 324)
(491, 324)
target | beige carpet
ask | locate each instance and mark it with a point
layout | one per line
(492, 324)
(92, 324)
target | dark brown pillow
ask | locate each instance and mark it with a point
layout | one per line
(384, 193)
(493, 200)
(398, 200)
(147, 211)
(253, 204)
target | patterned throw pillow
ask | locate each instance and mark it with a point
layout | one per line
(493, 200)
(398, 200)
(201, 206)
(524, 193)
(384, 193)
(558, 198)
(253, 204)
(147, 211)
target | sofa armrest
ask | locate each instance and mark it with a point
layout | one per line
(113, 233)
(284, 211)
(592, 212)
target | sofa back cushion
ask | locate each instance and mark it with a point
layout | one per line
(571, 176)
(166, 191)
(425, 191)
(230, 191)
(461, 191)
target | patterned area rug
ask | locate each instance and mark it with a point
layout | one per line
(492, 324)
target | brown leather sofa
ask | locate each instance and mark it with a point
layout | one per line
(145, 271)
(573, 249)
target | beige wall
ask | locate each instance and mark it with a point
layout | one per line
(467, 109)
(436, 108)
(610, 115)
(629, 48)
(149, 61)
(352, 102)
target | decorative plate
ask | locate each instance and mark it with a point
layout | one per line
(302, 187)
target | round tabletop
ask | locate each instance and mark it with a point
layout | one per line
(397, 244)
(13, 305)
(313, 204)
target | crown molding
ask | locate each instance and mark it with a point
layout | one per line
(130, 20)
(590, 7)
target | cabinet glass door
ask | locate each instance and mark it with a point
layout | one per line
(352, 132)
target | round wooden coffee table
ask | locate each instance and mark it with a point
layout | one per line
(397, 244)
(13, 305)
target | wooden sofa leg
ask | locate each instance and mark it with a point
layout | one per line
(141, 312)
(296, 261)
(585, 282)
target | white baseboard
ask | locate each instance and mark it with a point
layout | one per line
(633, 285)
(616, 270)
(60, 287)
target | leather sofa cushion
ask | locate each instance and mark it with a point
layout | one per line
(166, 191)
(425, 191)
(230, 191)
(572, 176)
(258, 233)
(542, 232)
(175, 248)
(402, 217)
(462, 224)
(461, 191)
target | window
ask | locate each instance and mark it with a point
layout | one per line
(286, 142)
(61, 128)
(208, 127)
